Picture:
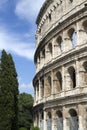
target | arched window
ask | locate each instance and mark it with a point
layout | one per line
(42, 121)
(85, 72)
(71, 1)
(49, 17)
(73, 37)
(59, 120)
(58, 82)
(49, 121)
(73, 120)
(72, 74)
(59, 41)
(48, 86)
(50, 48)
(42, 87)
(49, 52)
(85, 26)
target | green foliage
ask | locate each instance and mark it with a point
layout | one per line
(8, 93)
(25, 110)
(34, 128)
(22, 128)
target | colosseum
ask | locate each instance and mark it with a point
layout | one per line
(60, 82)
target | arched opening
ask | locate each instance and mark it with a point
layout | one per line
(49, 121)
(42, 57)
(73, 120)
(85, 73)
(42, 87)
(49, 51)
(50, 48)
(48, 86)
(59, 120)
(58, 82)
(58, 46)
(37, 120)
(72, 76)
(73, 37)
(59, 41)
(42, 121)
(85, 26)
(37, 91)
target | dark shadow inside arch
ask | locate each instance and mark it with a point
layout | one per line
(72, 74)
(73, 120)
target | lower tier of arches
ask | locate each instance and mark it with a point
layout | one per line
(65, 117)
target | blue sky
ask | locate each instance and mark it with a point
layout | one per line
(17, 36)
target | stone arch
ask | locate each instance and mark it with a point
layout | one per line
(42, 121)
(42, 57)
(85, 72)
(38, 62)
(58, 82)
(72, 77)
(42, 87)
(72, 36)
(48, 86)
(49, 121)
(58, 46)
(59, 41)
(73, 120)
(50, 48)
(84, 35)
(49, 52)
(85, 26)
(59, 120)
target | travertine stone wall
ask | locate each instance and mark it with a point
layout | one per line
(60, 82)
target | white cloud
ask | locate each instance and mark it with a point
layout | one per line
(13, 43)
(27, 9)
(26, 86)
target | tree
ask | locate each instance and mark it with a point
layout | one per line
(25, 110)
(8, 93)
(14, 91)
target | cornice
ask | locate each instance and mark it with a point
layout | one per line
(70, 20)
(44, 7)
(64, 101)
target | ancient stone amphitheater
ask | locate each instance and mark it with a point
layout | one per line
(60, 83)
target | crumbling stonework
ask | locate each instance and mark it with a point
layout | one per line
(60, 83)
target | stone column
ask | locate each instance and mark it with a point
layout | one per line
(52, 86)
(39, 119)
(65, 119)
(77, 74)
(45, 120)
(63, 79)
(39, 91)
(68, 81)
(81, 34)
(36, 93)
(82, 117)
(54, 118)
(66, 39)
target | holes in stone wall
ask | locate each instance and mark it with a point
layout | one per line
(73, 36)
(72, 74)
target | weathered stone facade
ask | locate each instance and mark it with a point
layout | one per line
(60, 83)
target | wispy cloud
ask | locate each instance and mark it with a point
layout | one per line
(28, 10)
(26, 87)
(11, 42)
